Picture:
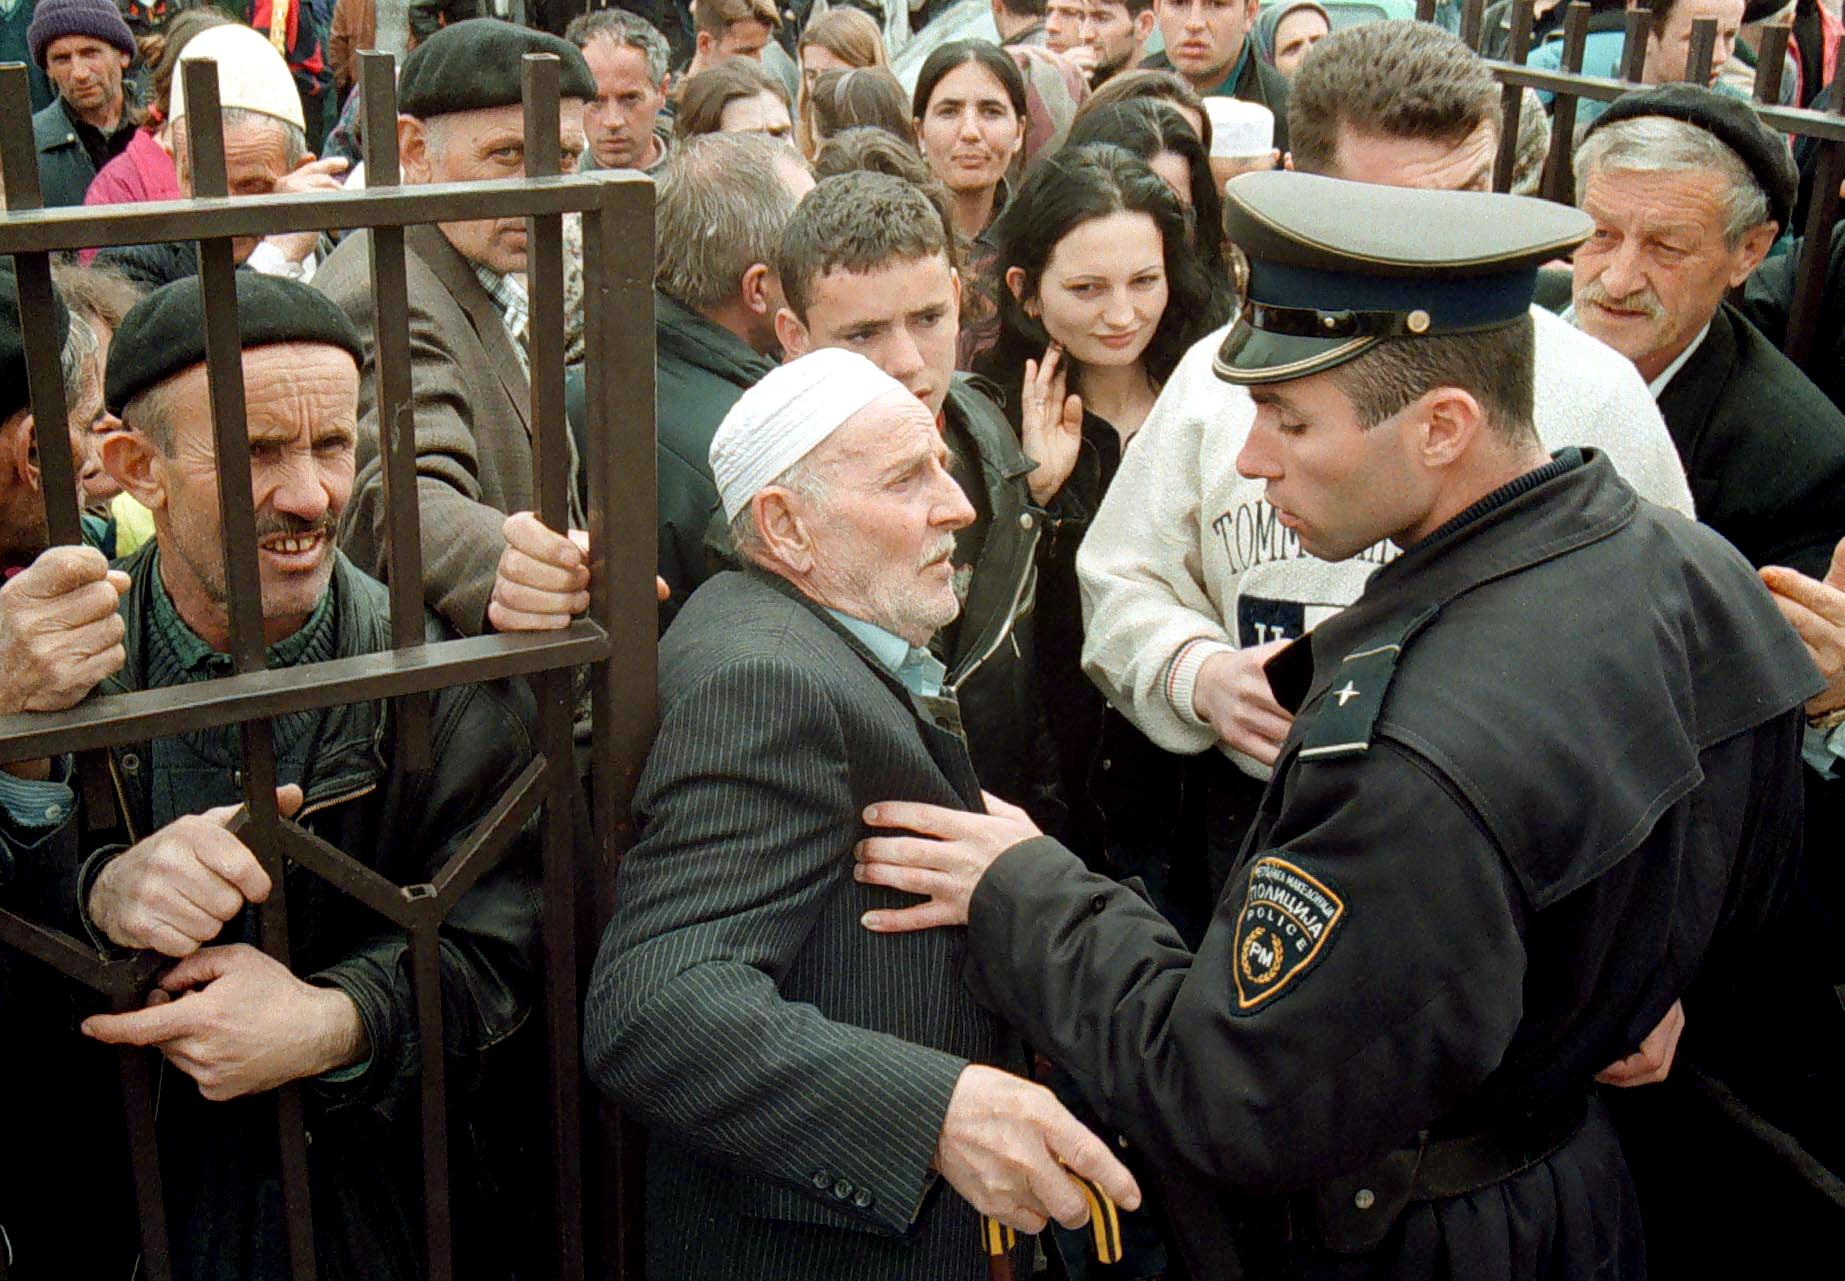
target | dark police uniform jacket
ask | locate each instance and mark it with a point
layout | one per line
(1543, 776)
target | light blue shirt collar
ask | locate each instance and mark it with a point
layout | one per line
(916, 669)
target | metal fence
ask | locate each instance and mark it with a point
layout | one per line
(615, 641)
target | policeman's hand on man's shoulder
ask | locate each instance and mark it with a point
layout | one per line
(175, 890)
(238, 1022)
(59, 630)
(1816, 609)
(1232, 695)
(943, 858)
(543, 577)
(1008, 1146)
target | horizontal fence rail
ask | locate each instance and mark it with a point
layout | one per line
(615, 643)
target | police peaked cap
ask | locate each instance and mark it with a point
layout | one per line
(1337, 267)
(164, 333)
(14, 393)
(1732, 122)
(473, 65)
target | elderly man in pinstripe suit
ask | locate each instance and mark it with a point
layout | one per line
(809, 1089)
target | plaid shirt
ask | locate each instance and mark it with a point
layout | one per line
(512, 302)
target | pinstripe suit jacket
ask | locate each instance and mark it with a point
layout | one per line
(792, 1068)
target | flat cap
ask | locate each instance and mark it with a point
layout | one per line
(1336, 267)
(1732, 122)
(164, 333)
(475, 64)
(14, 394)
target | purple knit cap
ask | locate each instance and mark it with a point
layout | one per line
(97, 18)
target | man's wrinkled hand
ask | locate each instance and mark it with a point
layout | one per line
(1232, 696)
(1007, 1146)
(59, 630)
(1816, 609)
(1652, 1062)
(175, 890)
(943, 861)
(237, 1022)
(543, 577)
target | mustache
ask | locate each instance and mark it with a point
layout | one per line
(1644, 300)
(287, 526)
(941, 549)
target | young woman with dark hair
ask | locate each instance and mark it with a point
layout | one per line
(969, 115)
(1100, 292)
(1158, 134)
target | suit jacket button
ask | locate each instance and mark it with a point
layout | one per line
(862, 1199)
(822, 1178)
(842, 1190)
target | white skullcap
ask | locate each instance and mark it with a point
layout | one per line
(780, 420)
(251, 74)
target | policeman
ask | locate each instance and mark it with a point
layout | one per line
(1541, 783)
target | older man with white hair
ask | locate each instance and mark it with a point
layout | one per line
(265, 153)
(804, 1087)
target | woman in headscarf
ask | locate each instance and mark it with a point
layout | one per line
(1287, 30)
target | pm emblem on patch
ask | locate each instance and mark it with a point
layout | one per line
(1288, 918)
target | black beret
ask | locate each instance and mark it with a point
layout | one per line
(476, 64)
(1732, 122)
(164, 333)
(14, 394)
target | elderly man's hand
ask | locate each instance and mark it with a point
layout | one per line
(951, 851)
(237, 1022)
(59, 630)
(1816, 608)
(1005, 1145)
(176, 889)
(543, 578)
(309, 175)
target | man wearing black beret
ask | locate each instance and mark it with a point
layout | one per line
(1542, 778)
(462, 121)
(1689, 190)
(161, 872)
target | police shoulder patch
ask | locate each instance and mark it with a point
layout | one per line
(1287, 920)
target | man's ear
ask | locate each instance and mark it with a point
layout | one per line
(702, 44)
(1750, 254)
(792, 334)
(1449, 420)
(753, 287)
(1143, 26)
(413, 149)
(137, 467)
(786, 538)
(19, 449)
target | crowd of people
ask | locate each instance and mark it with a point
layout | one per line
(1231, 702)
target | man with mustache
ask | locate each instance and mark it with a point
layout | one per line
(160, 872)
(807, 1096)
(1688, 190)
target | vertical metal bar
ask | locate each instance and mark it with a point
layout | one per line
(44, 364)
(1771, 63)
(1816, 244)
(555, 689)
(545, 278)
(426, 981)
(1698, 66)
(1633, 48)
(1512, 98)
(1559, 180)
(618, 272)
(133, 1069)
(1472, 14)
(392, 394)
(244, 605)
(1425, 10)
